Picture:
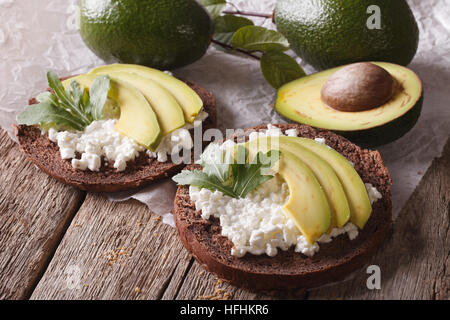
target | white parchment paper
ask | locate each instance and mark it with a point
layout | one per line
(38, 35)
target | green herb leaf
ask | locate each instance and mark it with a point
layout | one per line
(215, 7)
(248, 177)
(216, 176)
(67, 109)
(278, 68)
(254, 38)
(202, 180)
(226, 26)
(214, 163)
(46, 113)
(98, 95)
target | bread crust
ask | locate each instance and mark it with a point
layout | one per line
(288, 269)
(140, 172)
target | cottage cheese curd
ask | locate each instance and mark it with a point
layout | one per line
(257, 223)
(177, 140)
(100, 139)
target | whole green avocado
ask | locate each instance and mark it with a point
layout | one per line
(163, 34)
(330, 33)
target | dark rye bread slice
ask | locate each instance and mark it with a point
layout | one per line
(142, 171)
(288, 269)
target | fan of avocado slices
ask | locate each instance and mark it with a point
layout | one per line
(370, 103)
(148, 103)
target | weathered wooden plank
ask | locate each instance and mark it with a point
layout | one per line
(35, 211)
(201, 285)
(113, 251)
(415, 262)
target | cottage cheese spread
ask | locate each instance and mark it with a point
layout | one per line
(257, 223)
(177, 140)
(100, 139)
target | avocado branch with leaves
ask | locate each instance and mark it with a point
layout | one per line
(238, 34)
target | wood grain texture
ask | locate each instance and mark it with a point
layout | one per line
(415, 261)
(35, 211)
(198, 284)
(113, 251)
(123, 251)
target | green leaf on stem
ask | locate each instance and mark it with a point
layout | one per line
(278, 68)
(215, 7)
(255, 38)
(226, 26)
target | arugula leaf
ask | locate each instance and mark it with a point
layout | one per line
(98, 94)
(214, 163)
(248, 177)
(65, 98)
(203, 180)
(216, 176)
(46, 113)
(67, 109)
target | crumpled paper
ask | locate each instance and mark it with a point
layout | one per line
(36, 36)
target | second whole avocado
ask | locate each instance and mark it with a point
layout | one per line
(330, 33)
(163, 34)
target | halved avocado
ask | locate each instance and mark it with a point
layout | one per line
(188, 99)
(303, 101)
(137, 118)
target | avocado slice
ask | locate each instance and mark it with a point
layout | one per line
(137, 118)
(301, 101)
(187, 98)
(161, 34)
(169, 113)
(337, 199)
(307, 205)
(358, 199)
(330, 33)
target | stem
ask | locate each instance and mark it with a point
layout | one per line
(227, 46)
(249, 13)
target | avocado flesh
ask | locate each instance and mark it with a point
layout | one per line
(337, 199)
(137, 119)
(162, 34)
(187, 98)
(330, 33)
(169, 113)
(307, 205)
(300, 101)
(355, 190)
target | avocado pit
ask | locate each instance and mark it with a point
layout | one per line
(358, 87)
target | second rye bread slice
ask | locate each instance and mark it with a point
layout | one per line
(142, 171)
(289, 269)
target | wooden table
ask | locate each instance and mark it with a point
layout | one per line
(57, 242)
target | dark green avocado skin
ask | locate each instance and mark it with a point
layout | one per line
(387, 133)
(163, 34)
(330, 33)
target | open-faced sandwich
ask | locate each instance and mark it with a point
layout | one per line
(283, 206)
(114, 128)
